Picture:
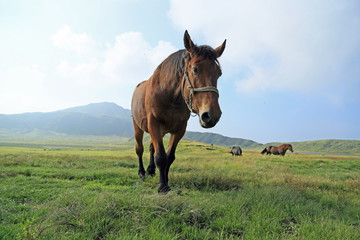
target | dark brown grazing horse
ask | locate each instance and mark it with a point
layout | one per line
(184, 82)
(280, 150)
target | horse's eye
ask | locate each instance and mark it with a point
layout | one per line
(195, 70)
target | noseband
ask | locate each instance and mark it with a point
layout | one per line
(194, 90)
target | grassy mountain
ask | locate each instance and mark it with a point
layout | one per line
(109, 119)
(97, 119)
(324, 146)
(217, 139)
(332, 146)
(101, 110)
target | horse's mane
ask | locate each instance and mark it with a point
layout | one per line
(177, 59)
(206, 52)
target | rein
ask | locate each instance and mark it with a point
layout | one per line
(194, 90)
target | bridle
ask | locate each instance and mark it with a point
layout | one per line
(194, 90)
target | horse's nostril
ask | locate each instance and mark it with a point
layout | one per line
(205, 117)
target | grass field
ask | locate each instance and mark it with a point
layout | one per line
(94, 193)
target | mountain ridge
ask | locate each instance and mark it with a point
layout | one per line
(92, 119)
(110, 119)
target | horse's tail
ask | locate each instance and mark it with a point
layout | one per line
(264, 151)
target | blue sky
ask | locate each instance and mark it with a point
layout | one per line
(291, 69)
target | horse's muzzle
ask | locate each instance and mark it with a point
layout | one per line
(208, 120)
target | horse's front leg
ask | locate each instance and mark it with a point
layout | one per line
(161, 160)
(174, 140)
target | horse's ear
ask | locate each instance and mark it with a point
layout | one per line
(189, 44)
(219, 50)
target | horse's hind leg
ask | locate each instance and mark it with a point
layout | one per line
(139, 149)
(151, 168)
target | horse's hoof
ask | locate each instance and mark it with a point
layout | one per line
(142, 175)
(164, 189)
(149, 173)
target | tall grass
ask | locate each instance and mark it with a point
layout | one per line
(96, 194)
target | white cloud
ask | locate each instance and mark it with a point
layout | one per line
(122, 65)
(297, 45)
(160, 52)
(254, 81)
(128, 59)
(22, 86)
(66, 39)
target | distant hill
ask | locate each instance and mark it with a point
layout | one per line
(97, 119)
(217, 139)
(101, 110)
(324, 146)
(109, 119)
(329, 146)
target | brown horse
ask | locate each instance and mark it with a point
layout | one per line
(280, 150)
(184, 82)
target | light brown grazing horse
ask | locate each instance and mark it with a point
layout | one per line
(280, 150)
(184, 82)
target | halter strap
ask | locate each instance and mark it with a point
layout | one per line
(193, 90)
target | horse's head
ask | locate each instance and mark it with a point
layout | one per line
(290, 148)
(201, 73)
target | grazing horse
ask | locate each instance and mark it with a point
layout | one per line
(185, 82)
(236, 150)
(280, 150)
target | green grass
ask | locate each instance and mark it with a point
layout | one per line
(326, 146)
(96, 194)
